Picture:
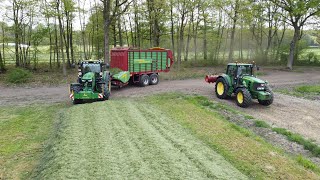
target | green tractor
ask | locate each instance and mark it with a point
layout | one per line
(94, 82)
(239, 80)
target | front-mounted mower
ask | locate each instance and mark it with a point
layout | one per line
(94, 82)
(240, 81)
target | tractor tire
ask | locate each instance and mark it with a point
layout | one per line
(76, 88)
(144, 80)
(221, 88)
(154, 79)
(107, 90)
(76, 101)
(267, 102)
(243, 97)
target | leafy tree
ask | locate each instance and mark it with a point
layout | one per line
(299, 12)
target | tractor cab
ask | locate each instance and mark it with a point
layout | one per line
(236, 71)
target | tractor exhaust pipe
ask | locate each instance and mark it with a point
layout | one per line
(211, 78)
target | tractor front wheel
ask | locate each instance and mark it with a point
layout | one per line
(267, 102)
(144, 80)
(221, 88)
(107, 90)
(243, 97)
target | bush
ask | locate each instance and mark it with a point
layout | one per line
(18, 75)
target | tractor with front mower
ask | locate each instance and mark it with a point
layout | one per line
(94, 82)
(239, 80)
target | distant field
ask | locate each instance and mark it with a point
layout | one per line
(44, 56)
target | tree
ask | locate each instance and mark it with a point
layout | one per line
(110, 13)
(299, 12)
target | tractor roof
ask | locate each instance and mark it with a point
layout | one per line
(239, 64)
(92, 61)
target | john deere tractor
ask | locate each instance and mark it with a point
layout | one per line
(240, 81)
(94, 82)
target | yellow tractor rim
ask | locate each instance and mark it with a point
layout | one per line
(220, 88)
(240, 97)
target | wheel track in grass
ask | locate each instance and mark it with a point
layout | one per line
(126, 139)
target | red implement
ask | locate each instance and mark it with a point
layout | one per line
(211, 78)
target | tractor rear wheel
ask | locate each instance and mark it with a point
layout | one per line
(144, 80)
(243, 97)
(267, 102)
(221, 88)
(154, 79)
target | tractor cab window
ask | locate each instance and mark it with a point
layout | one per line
(96, 68)
(244, 70)
(231, 70)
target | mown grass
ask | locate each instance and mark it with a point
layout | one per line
(308, 89)
(249, 153)
(24, 131)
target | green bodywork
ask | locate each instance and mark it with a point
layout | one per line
(246, 80)
(148, 61)
(93, 82)
(122, 76)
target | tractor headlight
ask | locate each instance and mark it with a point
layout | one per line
(260, 88)
(90, 80)
(83, 80)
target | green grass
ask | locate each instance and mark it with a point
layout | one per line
(307, 164)
(262, 124)
(307, 144)
(24, 131)
(249, 153)
(305, 91)
(308, 89)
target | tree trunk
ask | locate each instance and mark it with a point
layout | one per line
(293, 43)
(188, 40)
(64, 70)
(233, 30)
(106, 17)
(172, 26)
(205, 50)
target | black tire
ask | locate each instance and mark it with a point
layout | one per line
(246, 97)
(267, 102)
(224, 93)
(107, 90)
(76, 101)
(144, 80)
(154, 79)
(76, 88)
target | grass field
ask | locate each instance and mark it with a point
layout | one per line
(23, 134)
(159, 137)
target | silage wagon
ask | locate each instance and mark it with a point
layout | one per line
(127, 65)
(143, 66)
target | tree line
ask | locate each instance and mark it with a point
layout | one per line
(213, 31)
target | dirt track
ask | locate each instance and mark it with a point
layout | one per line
(296, 114)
